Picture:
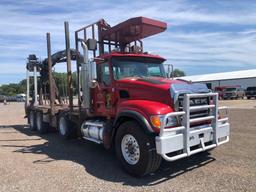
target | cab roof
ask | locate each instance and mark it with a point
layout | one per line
(119, 54)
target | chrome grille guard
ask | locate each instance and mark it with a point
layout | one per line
(183, 137)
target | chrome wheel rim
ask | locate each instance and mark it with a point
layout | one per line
(63, 126)
(130, 149)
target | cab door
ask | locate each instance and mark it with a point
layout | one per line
(104, 93)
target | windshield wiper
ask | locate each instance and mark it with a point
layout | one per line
(138, 76)
(156, 76)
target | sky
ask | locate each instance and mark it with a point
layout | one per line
(203, 36)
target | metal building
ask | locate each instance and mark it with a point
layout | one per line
(244, 78)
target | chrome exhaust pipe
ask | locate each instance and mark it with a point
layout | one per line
(85, 79)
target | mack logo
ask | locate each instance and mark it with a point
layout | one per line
(198, 101)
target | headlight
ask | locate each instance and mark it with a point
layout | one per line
(157, 120)
(171, 121)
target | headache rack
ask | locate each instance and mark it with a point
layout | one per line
(185, 140)
(124, 37)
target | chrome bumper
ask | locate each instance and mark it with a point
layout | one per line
(184, 137)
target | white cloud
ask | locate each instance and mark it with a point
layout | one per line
(231, 48)
(23, 29)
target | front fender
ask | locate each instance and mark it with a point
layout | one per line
(145, 109)
(145, 106)
(143, 122)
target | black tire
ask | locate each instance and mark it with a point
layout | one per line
(32, 120)
(248, 97)
(66, 127)
(41, 126)
(148, 160)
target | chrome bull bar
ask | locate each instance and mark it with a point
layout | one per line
(183, 137)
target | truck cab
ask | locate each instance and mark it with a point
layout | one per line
(250, 92)
(125, 77)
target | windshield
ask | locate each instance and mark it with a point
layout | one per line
(124, 67)
(230, 89)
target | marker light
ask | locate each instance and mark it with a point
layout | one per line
(156, 121)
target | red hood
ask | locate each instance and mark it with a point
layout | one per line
(152, 82)
(153, 88)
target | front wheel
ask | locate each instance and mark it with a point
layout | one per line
(135, 150)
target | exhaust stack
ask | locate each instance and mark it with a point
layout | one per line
(85, 79)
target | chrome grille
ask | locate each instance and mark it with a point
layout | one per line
(194, 102)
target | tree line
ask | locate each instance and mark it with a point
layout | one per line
(13, 89)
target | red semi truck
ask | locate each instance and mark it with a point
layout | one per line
(125, 100)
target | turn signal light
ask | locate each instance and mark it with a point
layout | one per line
(156, 121)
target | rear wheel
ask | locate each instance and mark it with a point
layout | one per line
(32, 120)
(135, 150)
(41, 126)
(66, 127)
(248, 97)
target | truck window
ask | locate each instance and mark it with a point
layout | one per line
(153, 70)
(251, 89)
(231, 89)
(137, 67)
(104, 74)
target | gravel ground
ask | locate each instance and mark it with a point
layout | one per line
(29, 162)
(239, 104)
